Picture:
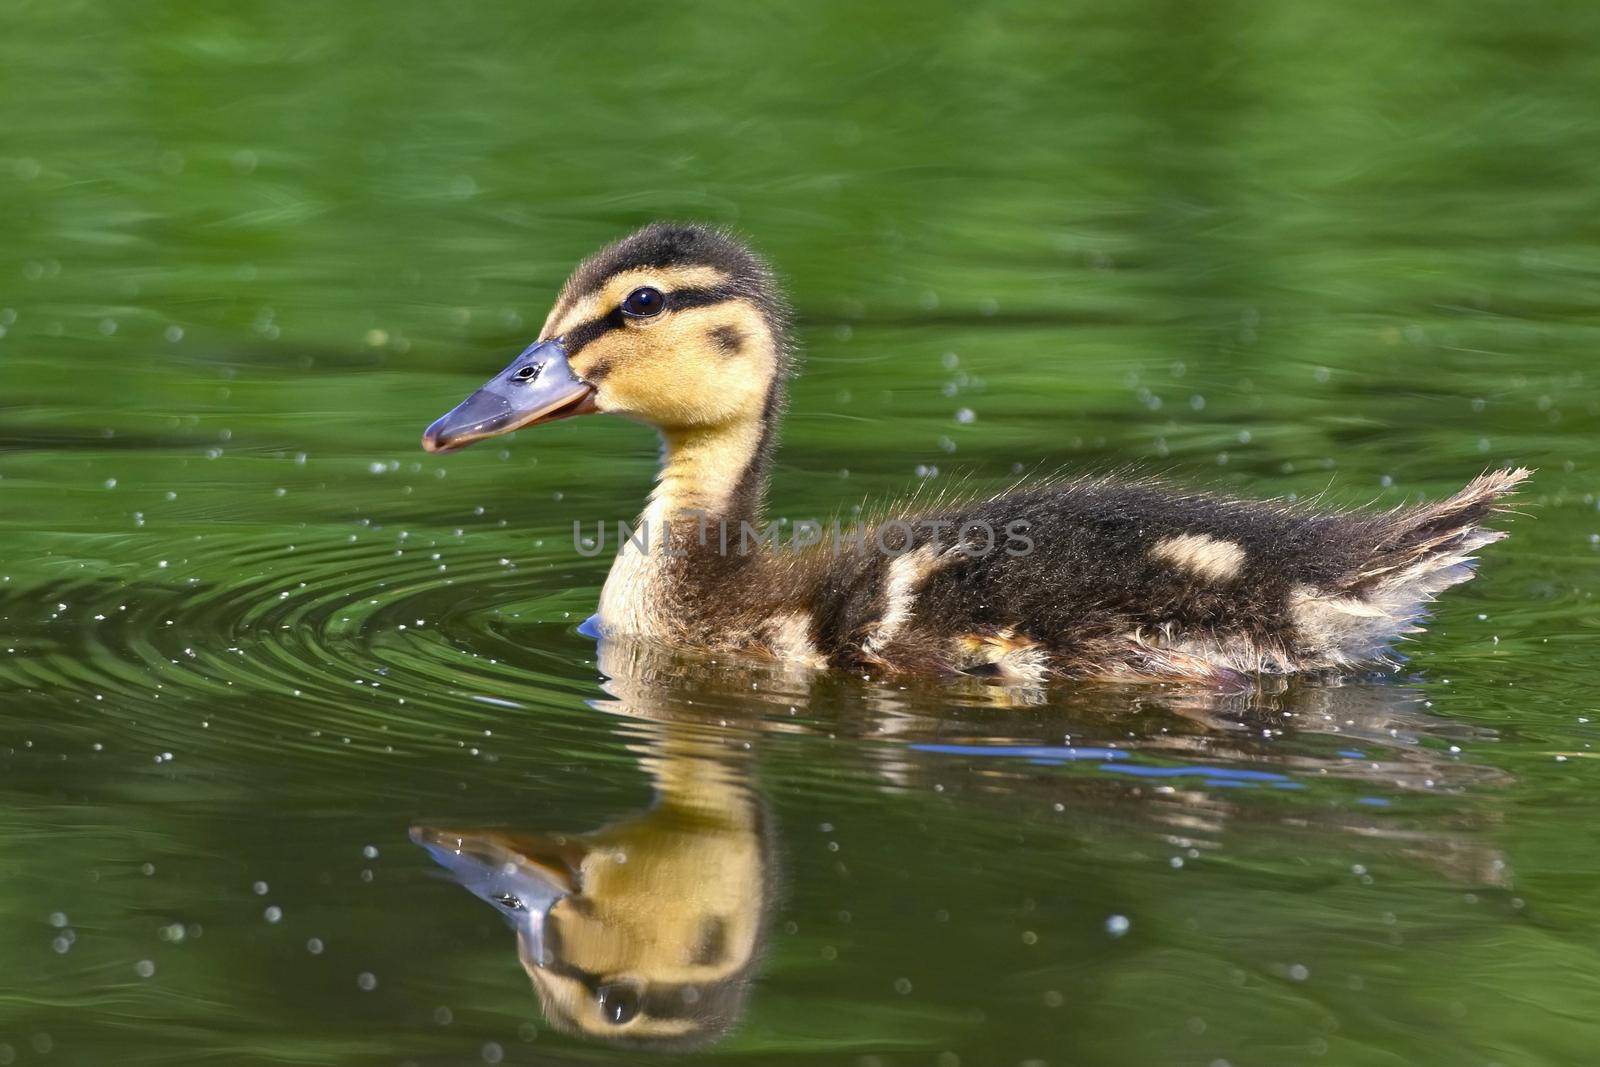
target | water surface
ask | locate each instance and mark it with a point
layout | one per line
(251, 639)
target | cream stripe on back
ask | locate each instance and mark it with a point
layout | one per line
(1204, 556)
(900, 588)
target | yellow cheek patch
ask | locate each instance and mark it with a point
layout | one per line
(705, 333)
(600, 358)
(681, 371)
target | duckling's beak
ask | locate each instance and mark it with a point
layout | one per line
(522, 875)
(538, 386)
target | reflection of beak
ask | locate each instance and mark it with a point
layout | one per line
(538, 386)
(522, 875)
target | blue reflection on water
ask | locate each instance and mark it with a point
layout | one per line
(1113, 760)
(1219, 773)
(1047, 754)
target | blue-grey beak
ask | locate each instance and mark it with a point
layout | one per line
(538, 386)
(522, 875)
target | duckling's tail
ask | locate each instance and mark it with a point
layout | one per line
(1415, 554)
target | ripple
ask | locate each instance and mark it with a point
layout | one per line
(375, 641)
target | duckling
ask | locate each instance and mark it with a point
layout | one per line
(647, 932)
(684, 328)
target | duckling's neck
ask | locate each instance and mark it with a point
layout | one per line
(717, 472)
(712, 482)
(701, 785)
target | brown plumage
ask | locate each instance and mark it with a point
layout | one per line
(684, 328)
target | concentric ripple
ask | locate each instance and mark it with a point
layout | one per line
(368, 637)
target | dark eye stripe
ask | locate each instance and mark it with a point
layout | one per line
(703, 297)
(587, 333)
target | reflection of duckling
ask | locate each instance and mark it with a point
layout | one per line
(684, 328)
(647, 931)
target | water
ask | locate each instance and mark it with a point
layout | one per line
(252, 640)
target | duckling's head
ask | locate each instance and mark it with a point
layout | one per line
(678, 325)
(643, 936)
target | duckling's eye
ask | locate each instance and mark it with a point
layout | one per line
(643, 303)
(618, 1003)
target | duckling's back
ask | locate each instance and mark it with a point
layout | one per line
(1133, 580)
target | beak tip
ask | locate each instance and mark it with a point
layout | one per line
(435, 439)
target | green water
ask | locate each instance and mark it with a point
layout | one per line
(250, 635)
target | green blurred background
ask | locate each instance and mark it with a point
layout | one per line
(247, 630)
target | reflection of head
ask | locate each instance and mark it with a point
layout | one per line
(649, 952)
(646, 932)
